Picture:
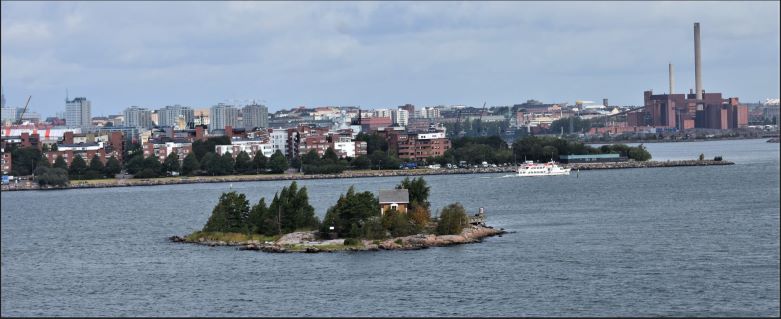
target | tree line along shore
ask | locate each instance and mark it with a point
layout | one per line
(102, 183)
(203, 161)
(358, 221)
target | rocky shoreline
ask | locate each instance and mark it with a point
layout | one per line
(357, 174)
(305, 242)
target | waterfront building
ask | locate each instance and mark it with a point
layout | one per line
(418, 146)
(592, 158)
(254, 116)
(138, 117)
(78, 113)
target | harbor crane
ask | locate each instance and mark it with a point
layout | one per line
(19, 121)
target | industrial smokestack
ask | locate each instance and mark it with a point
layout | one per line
(697, 62)
(670, 71)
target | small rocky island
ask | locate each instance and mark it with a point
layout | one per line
(400, 219)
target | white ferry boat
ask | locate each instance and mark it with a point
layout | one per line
(529, 168)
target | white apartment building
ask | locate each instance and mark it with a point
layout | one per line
(249, 146)
(254, 115)
(381, 113)
(400, 117)
(278, 139)
(222, 115)
(137, 117)
(78, 113)
(175, 115)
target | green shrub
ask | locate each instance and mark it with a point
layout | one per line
(398, 241)
(452, 220)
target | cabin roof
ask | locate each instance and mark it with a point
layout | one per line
(394, 196)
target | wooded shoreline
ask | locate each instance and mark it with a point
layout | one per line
(353, 174)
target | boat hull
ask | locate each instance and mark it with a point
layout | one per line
(563, 172)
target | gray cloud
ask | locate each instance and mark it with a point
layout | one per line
(379, 53)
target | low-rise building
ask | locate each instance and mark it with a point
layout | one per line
(86, 150)
(161, 150)
(419, 146)
(394, 199)
(250, 146)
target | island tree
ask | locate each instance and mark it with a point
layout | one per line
(351, 213)
(452, 220)
(230, 215)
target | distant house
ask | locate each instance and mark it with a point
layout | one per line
(394, 199)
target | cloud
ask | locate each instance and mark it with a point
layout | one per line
(379, 53)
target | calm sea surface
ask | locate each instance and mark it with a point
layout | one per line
(698, 241)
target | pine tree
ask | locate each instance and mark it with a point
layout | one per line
(171, 163)
(278, 162)
(44, 162)
(418, 191)
(59, 162)
(259, 162)
(112, 167)
(243, 163)
(257, 216)
(207, 163)
(190, 164)
(292, 210)
(78, 167)
(230, 215)
(96, 165)
(452, 220)
(226, 163)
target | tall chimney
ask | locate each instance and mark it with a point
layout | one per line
(672, 83)
(697, 62)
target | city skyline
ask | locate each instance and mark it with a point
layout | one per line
(379, 54)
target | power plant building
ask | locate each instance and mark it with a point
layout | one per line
(698, 109)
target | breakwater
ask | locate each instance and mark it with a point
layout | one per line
(351, 174)
(647, 164)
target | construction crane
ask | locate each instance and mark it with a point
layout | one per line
(19, 121)
(481, 131)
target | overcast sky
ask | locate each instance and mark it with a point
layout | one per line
(384, 54)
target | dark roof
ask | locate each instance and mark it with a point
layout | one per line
(394, 196)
